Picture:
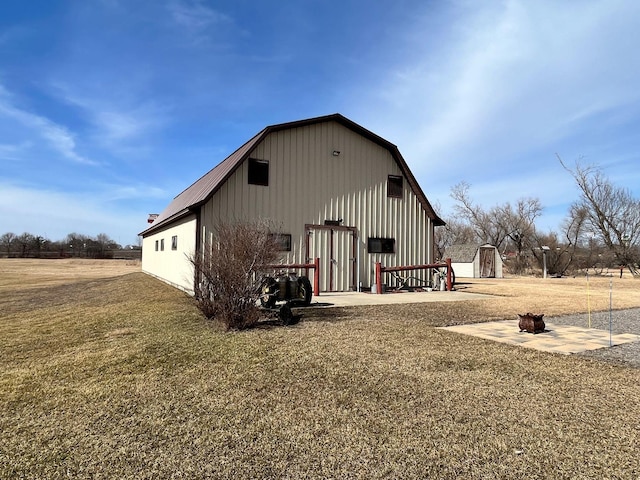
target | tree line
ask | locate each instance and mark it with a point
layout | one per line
(600, 231)
(27, 245)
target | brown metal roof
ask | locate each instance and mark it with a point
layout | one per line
(204, 188)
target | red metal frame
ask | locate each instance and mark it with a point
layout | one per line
(380, 270)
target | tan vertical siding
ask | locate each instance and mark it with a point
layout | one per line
(308, 185)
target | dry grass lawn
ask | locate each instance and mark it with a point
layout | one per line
(108, 373)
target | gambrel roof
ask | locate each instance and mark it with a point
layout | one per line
(463, 253)
(204, 188)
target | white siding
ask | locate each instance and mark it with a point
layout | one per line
(171, 266)
(308, 185)
(473, 270)
(464, 270)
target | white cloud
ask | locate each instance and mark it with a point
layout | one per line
(520, 76)
(55, 214)
(13, 152)
(116, 120)
(110, 193)
(197, 20)
(125, 126)
(57, 136)
(501, 86)
(195, 15)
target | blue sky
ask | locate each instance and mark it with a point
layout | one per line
(110, 108)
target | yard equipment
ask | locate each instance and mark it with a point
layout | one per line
(287, 287)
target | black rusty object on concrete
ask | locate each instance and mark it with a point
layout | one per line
(531, 323)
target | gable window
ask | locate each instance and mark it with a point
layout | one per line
(394, 186)
(282, 241)
(157, 245)
(174, 242)
(381, 245)
(162, 245)
(258, 172)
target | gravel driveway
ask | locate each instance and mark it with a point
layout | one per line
(622, 321)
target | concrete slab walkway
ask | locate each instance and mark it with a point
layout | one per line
(556, 338)
(348, 299)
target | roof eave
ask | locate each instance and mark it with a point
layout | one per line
(167, 221)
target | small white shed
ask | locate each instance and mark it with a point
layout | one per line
(475, 261)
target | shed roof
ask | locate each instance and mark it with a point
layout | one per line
(464, 253)
(461, 253)
(205, 187)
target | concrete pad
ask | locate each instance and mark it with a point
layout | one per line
(556, 338)
(347, 299)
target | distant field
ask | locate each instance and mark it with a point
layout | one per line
(109, 373)
(556, 296)
(33, 273)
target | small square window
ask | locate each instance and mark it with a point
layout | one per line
(258, 172)
(282, 241)
(394, 186)
(162, 245)
(381, 245)
(174, 242)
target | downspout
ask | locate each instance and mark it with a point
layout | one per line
(358, 286)
(432, 228)
(198, 247)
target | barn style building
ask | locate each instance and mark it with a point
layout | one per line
(336, 191)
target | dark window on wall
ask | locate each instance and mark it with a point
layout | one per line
(283, 241)
(162, 245)
(258, 172)
(157, 245)
(381, 245)
(394, 186)
(174, 242)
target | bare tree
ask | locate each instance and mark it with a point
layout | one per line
(454, 232)
(7, 240)
(39, 244)
(518, 222)
(477, 218)
(612, 214)
(560, 255)
(569, 255)
(102, 246)
(25, 244)
(77, 244)
(503, 225)
(228, 272)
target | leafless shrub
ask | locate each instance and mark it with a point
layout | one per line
(228, 272)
